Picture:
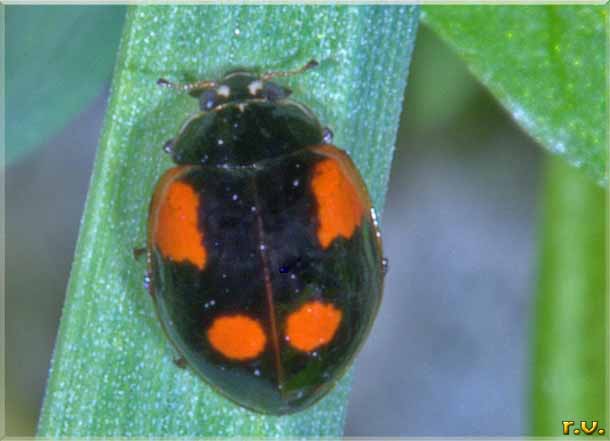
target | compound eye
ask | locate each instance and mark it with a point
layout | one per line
(274, 92)
(208, 99)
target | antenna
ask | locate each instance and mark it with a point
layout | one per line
(187, 87)
(310, 65)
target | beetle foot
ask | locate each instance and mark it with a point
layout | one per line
(164, 83)
(148, 284)
(327, 135)
(168, 147)
(180, 362)
(138, 253)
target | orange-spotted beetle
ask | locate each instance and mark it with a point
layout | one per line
(264, 253)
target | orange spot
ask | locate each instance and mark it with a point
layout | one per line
(312, 325)
(237, 337)
(176, 232)
(341, 197)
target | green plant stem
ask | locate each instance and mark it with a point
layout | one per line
(571, 322)
(113, 372)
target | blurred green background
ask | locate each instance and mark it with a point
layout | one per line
(450, 354)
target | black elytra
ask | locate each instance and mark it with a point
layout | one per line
(264, 254)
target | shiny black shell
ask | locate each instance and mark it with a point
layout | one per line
(250, 179)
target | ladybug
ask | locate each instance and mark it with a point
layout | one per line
(264, 254)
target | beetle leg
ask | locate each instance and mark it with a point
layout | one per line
(138, 253)
(327, 135)
(168, 147)
(385, 265)
(180, 362)
(147, 284)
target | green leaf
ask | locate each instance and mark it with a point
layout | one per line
(546, 65)
(571, 322)
(58, 59)
(112, 372)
